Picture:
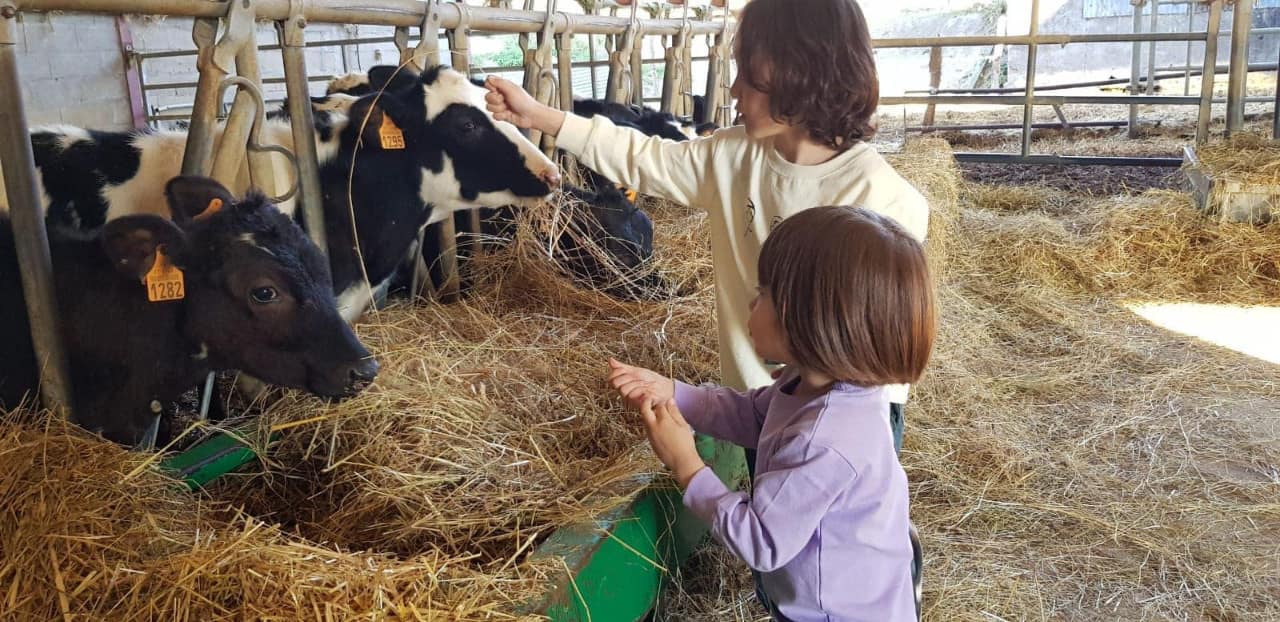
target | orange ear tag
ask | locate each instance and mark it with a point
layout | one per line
(214, 206)
(164, 281)
(632, 195)
(390, 135)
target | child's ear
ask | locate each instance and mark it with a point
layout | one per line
(191, 196)
(131, 242)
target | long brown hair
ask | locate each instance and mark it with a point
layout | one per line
(814, 60)
(853, 294)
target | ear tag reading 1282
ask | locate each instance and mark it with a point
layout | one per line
(164, 281)
(391, 136)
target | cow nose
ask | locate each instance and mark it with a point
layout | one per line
(363, 372)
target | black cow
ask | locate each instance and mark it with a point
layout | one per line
(444, 153)
(257, 297)
(647, 120)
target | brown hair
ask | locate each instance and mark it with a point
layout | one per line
(814, 60)
(853, 294)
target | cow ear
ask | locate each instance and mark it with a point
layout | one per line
(191, 197)
(390, 78)
(131, 242)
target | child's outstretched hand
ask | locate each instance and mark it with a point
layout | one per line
(508, 102)
(640, 386)
(672, 440)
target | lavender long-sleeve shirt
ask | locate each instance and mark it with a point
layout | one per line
(827, 524)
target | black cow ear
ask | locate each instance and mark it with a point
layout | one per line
(190, 196)
(390, 78)
(131, 242)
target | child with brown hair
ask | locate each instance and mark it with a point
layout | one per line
(806, 91)
(845, 300)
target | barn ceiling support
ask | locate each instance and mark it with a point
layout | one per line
(27, 219)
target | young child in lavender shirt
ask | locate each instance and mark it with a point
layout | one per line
(846, 301)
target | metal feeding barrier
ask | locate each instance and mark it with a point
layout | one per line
(226, 44)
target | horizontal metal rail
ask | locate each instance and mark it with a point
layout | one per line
(380, 13)
(1060, 160)
(1162, 74)
(1056, 100)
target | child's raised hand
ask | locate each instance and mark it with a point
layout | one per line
(672, 440)
(640, 386)
(509, 102)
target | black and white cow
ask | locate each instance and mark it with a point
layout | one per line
(257, 297)
(449, 154)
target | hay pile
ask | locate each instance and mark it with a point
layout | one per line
(1068, 460)
(489, 427)
(1245, 158)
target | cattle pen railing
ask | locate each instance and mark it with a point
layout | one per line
(236, 51)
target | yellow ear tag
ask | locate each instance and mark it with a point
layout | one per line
(391, 136)
(632, 195)
(164, 281)
(214, 206)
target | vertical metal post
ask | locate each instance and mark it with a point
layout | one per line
(1241, 23)
(1186, 67)
(1134, 69)
(1027, 107)
(1275, 112)
(460, 59)
(935, 80)
(637, 66)
(133, 82)
(1210, 68)
(212, 61)
(714, 66)
(1151, 48)
(29, 233)
(619, 73)
(591, 51)
(310, 200)
(671, 75)
(232, 152)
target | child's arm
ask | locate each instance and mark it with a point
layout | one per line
(770, 527)
(726, 414)
(677, 171)
(723, 413)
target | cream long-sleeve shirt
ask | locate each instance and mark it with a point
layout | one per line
(746, 187)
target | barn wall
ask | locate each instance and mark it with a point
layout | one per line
(72, 70)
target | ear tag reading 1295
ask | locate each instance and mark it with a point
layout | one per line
(391, 136)
(164, 281)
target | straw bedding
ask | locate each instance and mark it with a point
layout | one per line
(1068, 460)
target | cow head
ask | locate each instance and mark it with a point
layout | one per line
(258, 292)
(468, 158)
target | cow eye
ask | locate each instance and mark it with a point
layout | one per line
(468, 126)
(264, 295)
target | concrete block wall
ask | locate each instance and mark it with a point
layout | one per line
(72, 71)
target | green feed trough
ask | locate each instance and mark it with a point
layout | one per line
(618, 563)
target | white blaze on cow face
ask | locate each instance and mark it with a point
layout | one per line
(451, 87)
